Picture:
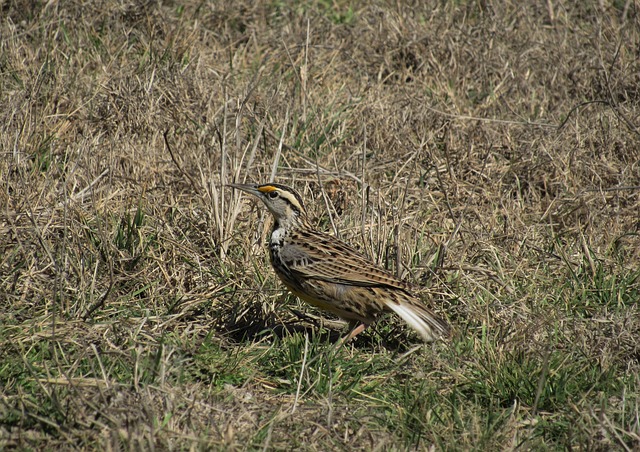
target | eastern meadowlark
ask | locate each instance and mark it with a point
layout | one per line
(329, 274)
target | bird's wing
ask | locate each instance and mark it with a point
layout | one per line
(324, 257)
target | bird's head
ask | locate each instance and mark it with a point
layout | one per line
(283, 202)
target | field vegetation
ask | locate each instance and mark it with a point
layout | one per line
(486, 151)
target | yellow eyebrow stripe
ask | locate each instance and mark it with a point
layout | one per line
(267, 188)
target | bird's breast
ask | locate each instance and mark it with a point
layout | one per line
(276, 244)
(277, 237)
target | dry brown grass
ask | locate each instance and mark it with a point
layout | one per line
(488, 150)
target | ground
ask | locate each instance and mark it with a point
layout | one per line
(487, 152)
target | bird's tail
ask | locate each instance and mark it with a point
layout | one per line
(427, 324)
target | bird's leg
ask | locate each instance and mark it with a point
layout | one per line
(355, 328)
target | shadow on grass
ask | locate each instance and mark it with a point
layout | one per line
(252, 330)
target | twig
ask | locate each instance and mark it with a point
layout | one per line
(175, 162)
(304, 362)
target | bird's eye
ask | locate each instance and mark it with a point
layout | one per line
(273, 194)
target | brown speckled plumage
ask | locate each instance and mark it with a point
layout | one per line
(328, 273)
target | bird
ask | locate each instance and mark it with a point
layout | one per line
(329, 274)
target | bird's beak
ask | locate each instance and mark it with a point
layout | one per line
(249, 188)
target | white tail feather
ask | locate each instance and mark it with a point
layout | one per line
(428, 327)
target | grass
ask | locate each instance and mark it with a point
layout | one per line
(487, 152)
